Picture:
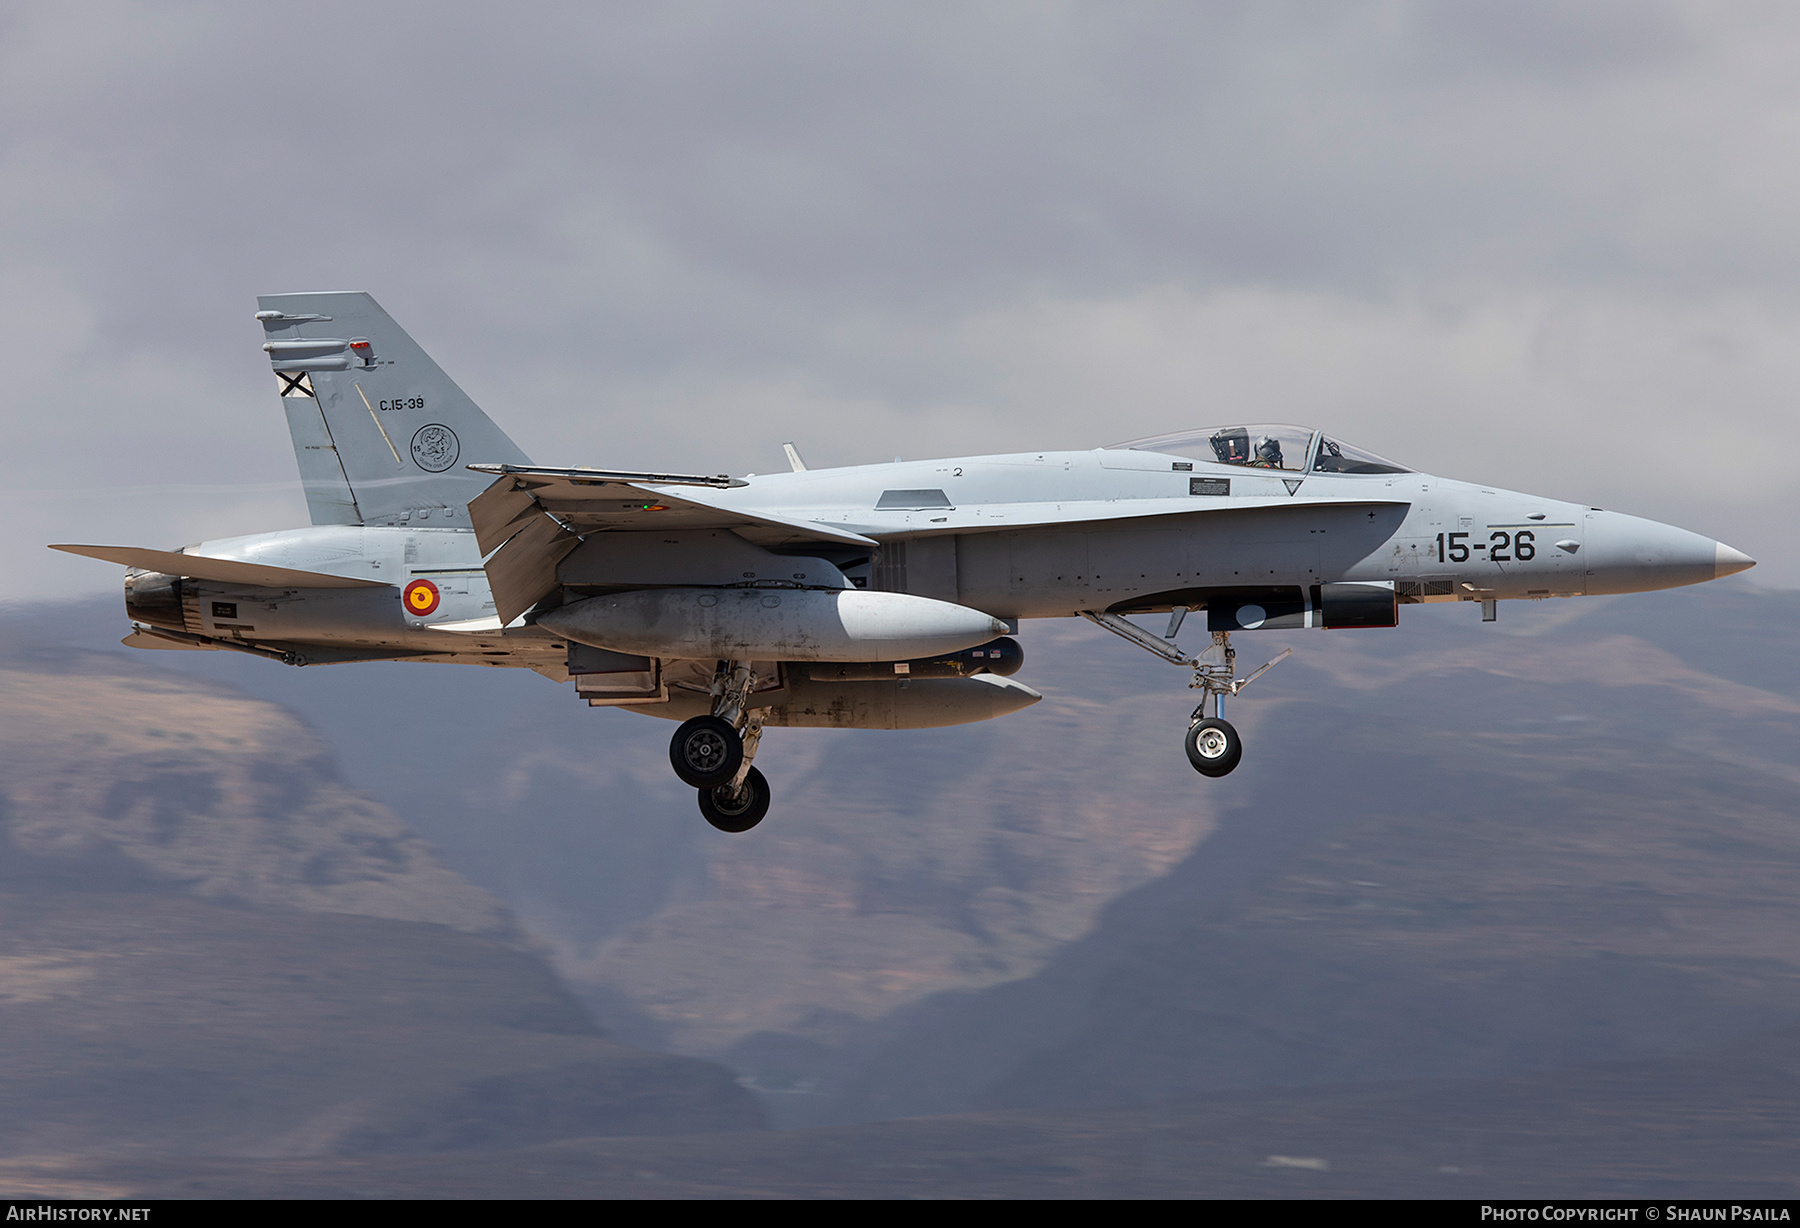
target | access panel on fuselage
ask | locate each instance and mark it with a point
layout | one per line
(1047, 573)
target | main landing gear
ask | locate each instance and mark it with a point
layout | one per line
(737, 808)
(713, 753)
(1212, 743)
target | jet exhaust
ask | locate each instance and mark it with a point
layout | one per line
(154, 598)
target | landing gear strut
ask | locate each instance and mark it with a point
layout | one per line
(713, 753)
(1212, 743)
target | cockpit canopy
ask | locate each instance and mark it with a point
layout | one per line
(1294, 449)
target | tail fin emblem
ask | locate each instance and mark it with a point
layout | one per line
(435, 448)
(295, 384)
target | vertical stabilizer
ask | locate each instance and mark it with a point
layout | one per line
(382, 435)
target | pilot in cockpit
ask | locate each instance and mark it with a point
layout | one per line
(1268, 453)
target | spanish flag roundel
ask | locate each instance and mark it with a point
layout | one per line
(421, 597)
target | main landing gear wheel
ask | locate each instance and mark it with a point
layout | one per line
(706, 752)
(1213, 746)
(740, 809)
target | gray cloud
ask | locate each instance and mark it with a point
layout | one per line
(1542, 244)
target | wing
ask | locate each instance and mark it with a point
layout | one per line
(225, 571)
(531, 518)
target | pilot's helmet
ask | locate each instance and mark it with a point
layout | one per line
(1268, 450)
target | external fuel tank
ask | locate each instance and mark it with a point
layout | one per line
(783, 624)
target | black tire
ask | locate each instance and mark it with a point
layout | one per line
(1213, 746)
(739, 813)
(706, 752)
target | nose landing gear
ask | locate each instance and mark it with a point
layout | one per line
(1212, 743)
(1213, 746)
(713, 753)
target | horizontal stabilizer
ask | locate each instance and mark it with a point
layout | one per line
(225, 571)
(141, 638)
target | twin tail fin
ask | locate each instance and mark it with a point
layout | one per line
(382, 435)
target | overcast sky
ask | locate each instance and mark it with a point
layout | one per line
(1554, 247)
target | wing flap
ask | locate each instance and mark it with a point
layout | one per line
(594, 500)
(500, 511)
(225, 571)
(531, 518)
(523, 571)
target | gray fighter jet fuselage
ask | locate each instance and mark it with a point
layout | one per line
(879, 596)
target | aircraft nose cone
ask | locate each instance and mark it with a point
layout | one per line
(1728, 562)
(1627, 554)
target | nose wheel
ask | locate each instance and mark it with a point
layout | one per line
(1213, 746)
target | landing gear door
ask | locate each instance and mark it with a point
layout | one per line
(605, 678)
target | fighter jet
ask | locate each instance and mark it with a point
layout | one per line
(872, 597)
